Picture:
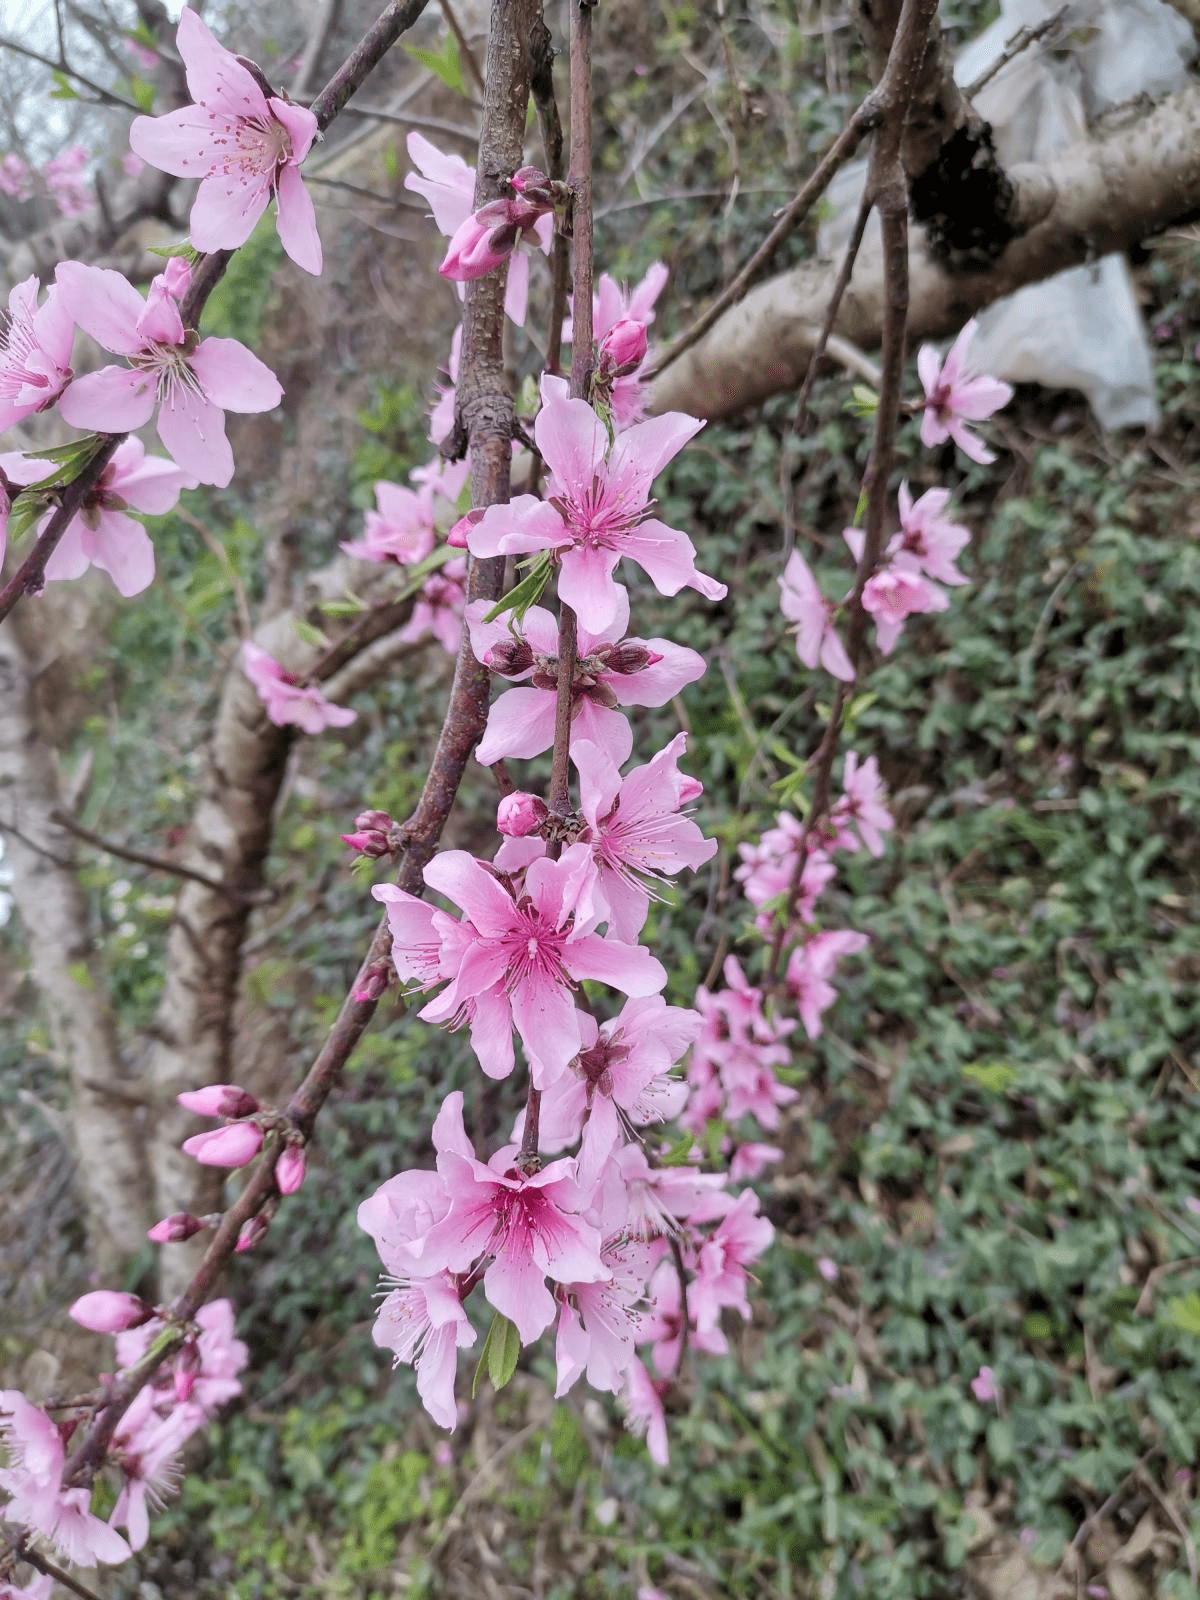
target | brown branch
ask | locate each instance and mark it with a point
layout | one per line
(30, 576)
(395, 19)
(541, 82)
(839, 152)
(104, 96)
(465, 54)
(143, 858)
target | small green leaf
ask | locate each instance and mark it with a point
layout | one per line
(996, 1077)
(309, 634)
(863, 402)
(499, 1354)
(1184, 1313)
(184, 251)
(860, 509)
(524, 594)
(142, 93)
(349, 607)
(391, 161)
(71, 459)
(445, 63)
(26, 510)
(80, 976)
(63, 88)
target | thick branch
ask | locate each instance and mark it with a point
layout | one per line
(1106, 194)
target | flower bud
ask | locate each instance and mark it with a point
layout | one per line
(457, 537)
(531, 182)
(219, 1100)
(107, 1311)
(172, 1229)
(479, 243)
(628, 657)
(225, 1147)
(375, 821)
(623, 347)
(368, 842)
(289, 1169)
(250, 1233)
(510, 658)
(373, 983)
(520, 813)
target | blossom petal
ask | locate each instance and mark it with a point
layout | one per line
(630, 968)
(182, 142)
(516, 1287)
(104, 304)
(297, 221)
(573, 443)
(216, 79)
(233, 377)
(520, 723)
(113, 400)
(193, 430)
(226, 208)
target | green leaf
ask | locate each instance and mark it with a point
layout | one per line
(499, 1354)
(1184, 1313)
(391, 161)
(349, 607)
(524, 594)
(309, 634)
(184, 251)
(142, 93)
(80, 976)
(71, 459)
(863, 402)
(63, 89)
(445, 63)
(996, 1077)
(26, 510)
(860, 509)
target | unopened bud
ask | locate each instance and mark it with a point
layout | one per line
(368, 842)
(373, 982)
(250, 1233)
(628, 657)
(219, 1100)
(225, 1147)
(108, 1311)
(532, 182)
(510, 658)
(289, 1169)
(519, 814)
(376, 821)
(458, 533)
(623, 348)
(172, 1229)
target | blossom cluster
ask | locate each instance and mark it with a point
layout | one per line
(62, 176)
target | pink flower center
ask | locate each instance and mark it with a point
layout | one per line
(258, 148)
(602, 517)
(534, 948)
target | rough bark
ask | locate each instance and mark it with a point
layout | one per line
(104, 1112)
(1105, 194)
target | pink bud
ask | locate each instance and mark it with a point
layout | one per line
(107, 1311)
(250, 1233)
(457, 537)
(219, 1100)
(376, 821)
(520, 813)
(177, 275)
(225, 1147)
(373, 983)
(623, 347)
(368, 842)
(479, 243)
(289, 1169)
(530, 181)
(181, 1225)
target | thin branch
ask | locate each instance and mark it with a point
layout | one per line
(103, 96)
(452, 130)
(318, 38)
(1021, 40)
(68, 1581)
(394, 20)
(143, 858)
(835, 302)
(840, 151)
(541, 82)
(465, 53)
(30, 576)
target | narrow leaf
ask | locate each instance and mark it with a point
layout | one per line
(503, 1350)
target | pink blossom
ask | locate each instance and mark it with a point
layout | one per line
(662, 1326)
(102, 535)
(740, 1238)
(15, 178)
(928, 536)
(623, 347)
(178, 1226)
(646, 1202)
(610, 671)
(439, 607)
(401, 530)
(634, 833)
(213, 1358)
(802, 602)
(597, 508)
(809, 969)
(286, 702)
(37, 1501)
(448, 183)
(620, 1078)
(598, 1322)
(192, 384)
(984, 1386)
(243, 145)
(895, 590)
(108, 1311)
(63, 175)
(861, 807)
(529, 1224)
(486, 238)
(515, 958)
(145, 1448)
(769, 866)
(441, 416)
(736, 1054)
(35, 352)
(231, 1146)
(750, 1161)
(423, 1324)
(644, 1415)
(954, 396)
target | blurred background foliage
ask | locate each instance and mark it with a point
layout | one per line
(995, 1141)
